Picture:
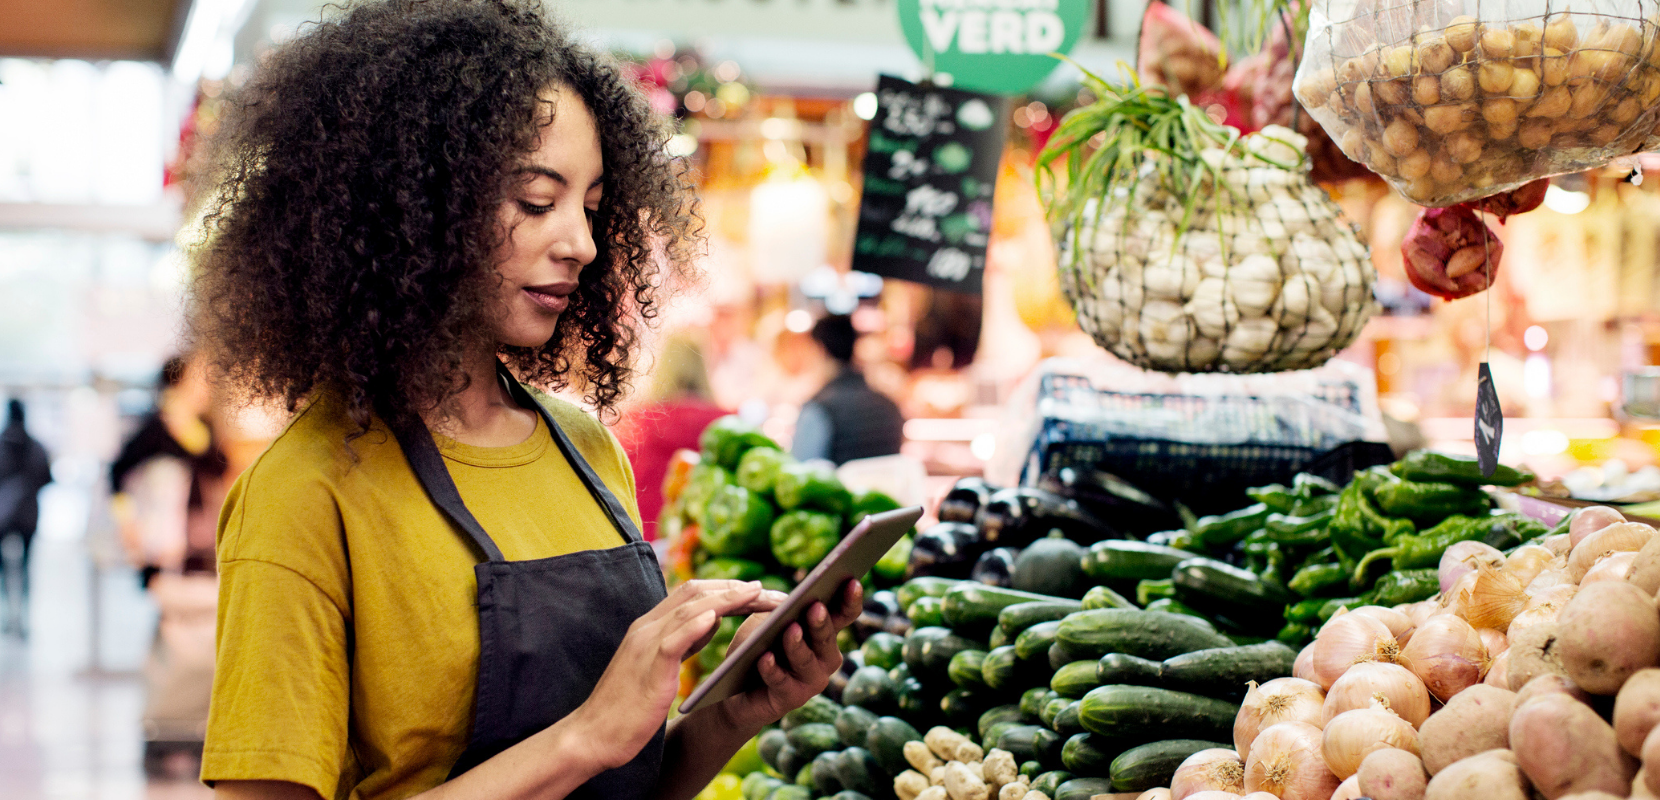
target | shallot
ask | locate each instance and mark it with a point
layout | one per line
(1447, 655)
(1451, 253)
(1516, 201)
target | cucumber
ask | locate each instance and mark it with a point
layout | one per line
(1082, 789)
(883, 649)
(1090, 755)
(1008, 713)
(1150, 765)
(1030, 770)
(1224, 671)
(1126, 560)
(1048, 782)
(789, 762)
(770, 742)
(928, 651)
(1147, 634)
(964, 669)
(1119, 668)
(1161, 713)
(1049, 566)
(1102, 597)
(926, 586)
(972, 607)
(1067, 723)
(1000, 668)
(813, 738)
(791, 792)
(825, 780)
(818, 708)
(918, 703)
(927, 612)
(849, 794)
(1033, 643)
(998, 638)
(1074, 680)
(1217, 588)
(1171, 605)
(899, 673)
(886, 743)
(1020, 616)
(1052, 708)
(1031, 702)
(996, 731)
(1061, 654)
(961, 707)
(871, 688)
(757, 785)
(853, 724)
(1032, 743)
(857, 771)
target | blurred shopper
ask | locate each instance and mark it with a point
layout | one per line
(847, 419)
(677, 406)
(435, 576)
(24, 471)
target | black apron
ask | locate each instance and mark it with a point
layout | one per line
(548, 628)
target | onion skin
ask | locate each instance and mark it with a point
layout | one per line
(1625, 536)
(1303, 667)
(1397, 622)
(1204, 770)
(1347, 639)
(1645, 572)
(1463, 557)
(1446, 654)
(1611, 567)
(1160, 793)
(1347, 790)
(1498, 674)
(1392, 774)
(1520, 200)
(1353, 735)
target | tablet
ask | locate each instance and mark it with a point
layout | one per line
(852, 558)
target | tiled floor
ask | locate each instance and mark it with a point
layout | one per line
(69, 720)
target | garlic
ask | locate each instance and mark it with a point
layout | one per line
(1212, 308)
(1255, 282)
(1249, 341)
(1175, 279)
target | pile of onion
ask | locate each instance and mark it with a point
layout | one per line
(1279, 700)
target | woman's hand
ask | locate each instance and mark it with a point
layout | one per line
(811, 657)
(632, 698)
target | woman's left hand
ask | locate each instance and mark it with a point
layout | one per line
(811, 657)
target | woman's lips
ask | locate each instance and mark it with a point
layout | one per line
(552, 296)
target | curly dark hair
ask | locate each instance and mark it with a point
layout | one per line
(359, 179)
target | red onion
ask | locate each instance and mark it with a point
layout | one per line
(1451, 253)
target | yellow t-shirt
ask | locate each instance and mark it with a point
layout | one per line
(348, 628)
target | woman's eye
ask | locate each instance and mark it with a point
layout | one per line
(532, 208)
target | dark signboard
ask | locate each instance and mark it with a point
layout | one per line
(929, 173)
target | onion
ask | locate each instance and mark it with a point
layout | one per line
(1303, 667)
(1611, 567)
(1348, 789)
(1213, 795)
(1447, 655)
(1353, 735)
(1462, 559)
(1499, 673)
(1591, 519)
(1160, 793)
(1495, 598)
(1259, 796)
(1494, 641)
(1421, 610)
(1349, 639)
(1559, 543)
(1279, 700)
(1395, 621)
(1550, 579)
(1455, 600)
(1618, 538)
(1286, 762)
(1528, 561)
(1217, 769)
(1402, 692)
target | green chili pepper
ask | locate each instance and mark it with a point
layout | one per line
(1423, 500)
(1300, 531)
(1391, 528)
(1404, 586)
(1316, 578)
(1331, 606)
(759, 468)
(1148, 591)
(727, 439)
(1314, 505)
(1307, 484)
(735, 522)
(1372, 478)
(1423, 465)
(1179, 539)
(775, 583)
(801, 539)
(814, 487)
(1274, 571)
(1504, 531)
(1425, 549)
(1562, 525)
(1324, 555)
(730, 569)
(1232, 526)
(1350, 531)
(1275, 496)
(1306, 612)
(1294, 634)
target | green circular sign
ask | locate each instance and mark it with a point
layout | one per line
(996, 46)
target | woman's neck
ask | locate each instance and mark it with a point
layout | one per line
(484, 414)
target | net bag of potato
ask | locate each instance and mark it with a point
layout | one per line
(1186, 248)
(1457, 100)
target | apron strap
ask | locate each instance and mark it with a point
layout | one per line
(429, 467)
(602, 494)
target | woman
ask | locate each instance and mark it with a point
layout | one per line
(432, 583)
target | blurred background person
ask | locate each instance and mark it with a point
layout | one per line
(675, 408)
(846, 419)
(24, 470)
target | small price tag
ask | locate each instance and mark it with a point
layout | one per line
(1489, 422)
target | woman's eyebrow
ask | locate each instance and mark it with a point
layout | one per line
(557, 176)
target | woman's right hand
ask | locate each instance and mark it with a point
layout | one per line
(632, 698)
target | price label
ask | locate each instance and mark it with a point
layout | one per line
(1489, 421)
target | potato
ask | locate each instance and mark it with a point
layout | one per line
(1493, 775)
(1549, 684)
(1392, 774)
(1533, 653)
(1474, 721)
(1639, 787)
(1651, 763)
(1564, 747)
(1637, 709)
(1645, 572)
(1593, 796)
(1608, 631)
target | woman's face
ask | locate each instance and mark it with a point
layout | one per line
(549, 212)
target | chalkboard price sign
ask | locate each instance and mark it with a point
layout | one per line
(929, 173)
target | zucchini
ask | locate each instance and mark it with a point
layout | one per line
(1148, 591)
(925, 586)
(871, 688)
(964, 669)
(1020, 616)
(927, 612)
(818, 708)
(1090, 755)
(1061, 654)
(770, 742)
(1217, 588)
(858, 771)
(1048, 782)
(1067, 723)
(825, 780)
(886, 743)
(1052, 708)
(1051, 566)
(883, 649)
(1113, 710)
(1171, 605)
(1032, 743)
(1075, 679)
(1146, 634)
(1033, 643)
(1224, 671)
(1117, 668)
(998, 638)
(1082, 789)
(813, 738)
(1150, 765)
(1102, 597)
(1001, 668)
(853, 724)
(928, 651)
(1124, 560)
(1008, 713)
(972, 608)
(961, 707)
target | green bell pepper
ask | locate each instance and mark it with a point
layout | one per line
(773, 583)
(867, 503)
(801, 539)
(1313, 579)
(891, 567)
(1423, 465)
(1231, 527)
(1404, 586)
(1430, 500)
(735, 522)
(704, 480)
(726, 440)
(811, 487)
(759, 468)
(730, 569)
(1274, 495)
(715, 651)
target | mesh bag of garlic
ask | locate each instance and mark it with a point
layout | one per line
(1456, 100)
(1255, 271)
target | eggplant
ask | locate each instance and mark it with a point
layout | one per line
(1017, 517)
(995, 567)
(1107, 496)
(945, 550)
(879, 610)
(964, 500)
